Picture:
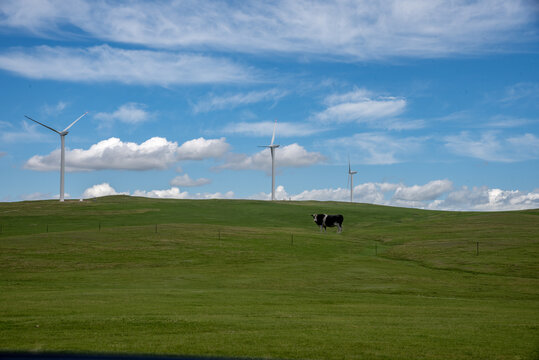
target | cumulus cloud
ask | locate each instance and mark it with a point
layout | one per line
(352, 29)
(154, 153)
(186, 181)
(230, 101)
(130, 113)
(293, 155)
(175, 193)
(198, 149)
(105, 189)
(485, 199)
(435, 195)
(104, 63)
(99, 190)
(490, 146)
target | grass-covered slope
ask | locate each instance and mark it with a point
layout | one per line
(257, 279)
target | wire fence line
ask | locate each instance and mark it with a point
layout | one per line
(219, 233)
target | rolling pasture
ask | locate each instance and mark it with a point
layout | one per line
(256, 279)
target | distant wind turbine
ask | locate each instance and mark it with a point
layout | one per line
(62, 158)
(351, 177)
(272, 150)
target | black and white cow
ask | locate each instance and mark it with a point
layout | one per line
(324, 220)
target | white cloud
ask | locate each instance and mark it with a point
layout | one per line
(36, 196)
(522, 91)
(104, 63)
(175, 193)
(154, 153)
(172, 193)
(186, 181)
(353, 29)
(231, 101)
(99, 190)
(55, 109)
(360, 106)
(105, 189)
(485, 199)
(130, 113)
(28, 133)
(377, 148)
(491, 147)
(429, 191)
(435, 195)
(292, 155)
(265, 128)
(199, 149)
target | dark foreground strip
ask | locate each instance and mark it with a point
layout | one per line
(68, 356)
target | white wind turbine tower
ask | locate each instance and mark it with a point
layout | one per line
(62, 134)
(272, 150)
(351, 178)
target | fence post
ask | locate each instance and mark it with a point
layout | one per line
(292, 239)
(156, 228)
(477, 249)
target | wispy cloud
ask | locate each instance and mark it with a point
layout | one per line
(28, 133)
(130, 113)
(265, 129)
(186, 181)
(352, 29)
(107, 64)
(377, 148)
(230, 101)
(360, 106)
(54, 109)
(522, 91)
(491, 146)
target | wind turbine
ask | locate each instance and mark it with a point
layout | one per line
(272, 150)
(351, 177)
(62, 134)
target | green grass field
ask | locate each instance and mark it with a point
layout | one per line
(257, 279)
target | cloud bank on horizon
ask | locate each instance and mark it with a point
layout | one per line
(436, 101)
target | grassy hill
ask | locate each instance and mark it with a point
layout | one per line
(257, 279)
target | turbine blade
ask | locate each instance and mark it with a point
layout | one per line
(73, 123)
(273, 137)
(48, 127)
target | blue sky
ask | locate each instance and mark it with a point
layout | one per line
(435, 103)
